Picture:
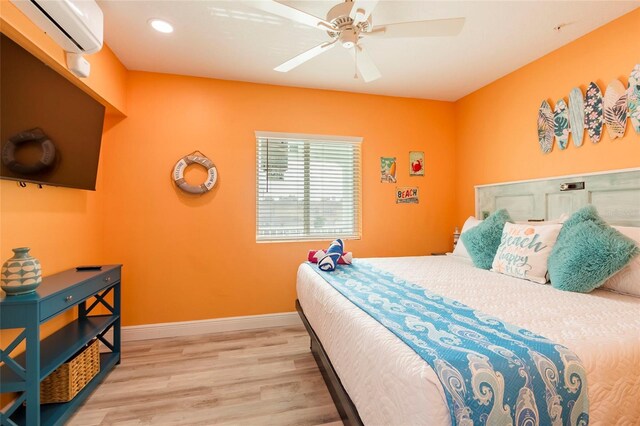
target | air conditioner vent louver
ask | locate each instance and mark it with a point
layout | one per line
(76, 25)
(44, 12)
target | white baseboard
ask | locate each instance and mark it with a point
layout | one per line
(192, 328)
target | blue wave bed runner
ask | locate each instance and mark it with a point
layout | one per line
(492, 372)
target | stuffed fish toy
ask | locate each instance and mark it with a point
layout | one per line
(329, 261)
(315, 255)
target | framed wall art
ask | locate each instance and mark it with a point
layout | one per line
(388, 169)
(416, 163)
(407, 195)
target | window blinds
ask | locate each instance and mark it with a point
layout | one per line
(307, 189)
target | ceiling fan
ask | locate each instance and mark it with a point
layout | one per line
(347, 23)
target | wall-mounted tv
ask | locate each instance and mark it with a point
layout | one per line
(50, 129)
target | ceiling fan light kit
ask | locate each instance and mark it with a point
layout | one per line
(349, 22)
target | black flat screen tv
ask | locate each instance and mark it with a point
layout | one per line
(51, 130)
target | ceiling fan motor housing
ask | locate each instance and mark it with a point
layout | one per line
(348, 34)
(348, 38)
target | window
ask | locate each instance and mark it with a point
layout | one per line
(308, 187)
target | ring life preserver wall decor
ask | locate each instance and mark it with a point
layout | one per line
(181, 165)
(34, 135)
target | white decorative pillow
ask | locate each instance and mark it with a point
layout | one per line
(524, 250)
(627, 280)
(460, 249)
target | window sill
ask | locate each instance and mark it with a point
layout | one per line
(327, 239)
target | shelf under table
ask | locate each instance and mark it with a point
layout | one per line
(71, 338)
(56, 414)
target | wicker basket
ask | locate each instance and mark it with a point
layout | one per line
(67, 380)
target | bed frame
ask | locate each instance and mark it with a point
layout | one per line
(341, 399)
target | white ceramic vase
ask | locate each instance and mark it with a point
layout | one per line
(20, 274)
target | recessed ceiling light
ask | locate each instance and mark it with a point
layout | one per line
(161, 26)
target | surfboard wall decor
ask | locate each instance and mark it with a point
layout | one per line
(591, 112)
(576, 115)
(633, 98)
(615, 109)
(593, 118)
(561, 123)
(545, 127)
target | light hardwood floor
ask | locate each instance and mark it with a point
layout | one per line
(258, 377)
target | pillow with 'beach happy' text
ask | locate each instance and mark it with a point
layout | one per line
(524, 250)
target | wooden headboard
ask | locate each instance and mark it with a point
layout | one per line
(616, 195)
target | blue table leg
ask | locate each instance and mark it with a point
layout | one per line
(33, 365)
(116, 328)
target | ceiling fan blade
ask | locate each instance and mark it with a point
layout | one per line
(361, 10)
(305, 56)
(288, 12)
(433, 28)
(367, 69)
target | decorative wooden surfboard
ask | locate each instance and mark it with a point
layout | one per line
(633, 98)
(576, 115)
(561, 123)
(615, 109)
(545, 127)
(593, 118)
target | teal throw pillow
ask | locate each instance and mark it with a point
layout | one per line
(588, 252)
(586, 213)
(482, 241)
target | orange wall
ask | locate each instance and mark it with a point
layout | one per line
(189, 258)
(496, 136)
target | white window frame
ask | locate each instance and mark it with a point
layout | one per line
(315, 138)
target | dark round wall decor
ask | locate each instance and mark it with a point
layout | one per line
(15, 142)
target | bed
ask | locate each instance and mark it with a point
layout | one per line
(376, 379)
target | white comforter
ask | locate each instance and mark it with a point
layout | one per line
(391, 385)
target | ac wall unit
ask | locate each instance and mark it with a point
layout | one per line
(76, 25)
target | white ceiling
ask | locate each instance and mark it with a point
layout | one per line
(233, 41)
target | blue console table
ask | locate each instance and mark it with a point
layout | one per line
(58, 293)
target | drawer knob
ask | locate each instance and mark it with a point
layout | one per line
(107, 279)
(68, 298)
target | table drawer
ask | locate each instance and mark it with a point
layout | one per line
(72, 296)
